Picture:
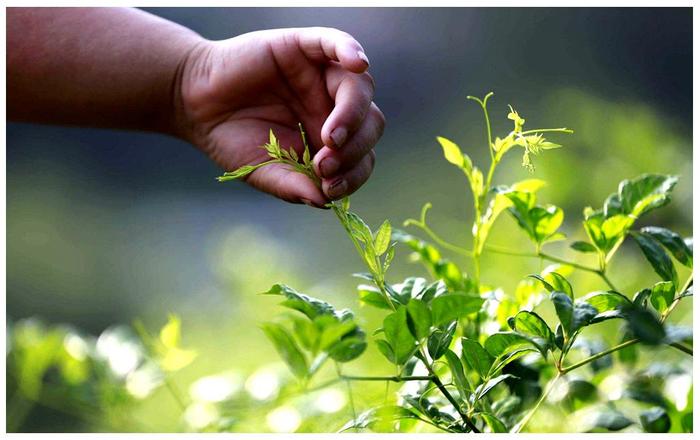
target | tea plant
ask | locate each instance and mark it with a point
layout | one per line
(434, 332)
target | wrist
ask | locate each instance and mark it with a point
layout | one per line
(191, 65)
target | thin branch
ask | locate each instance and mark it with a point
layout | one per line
(436, 380)
(567, 262)
(599, 355)
(681, 347)
(439, 241)
(548, 130)
(517, 428)
(385, 378)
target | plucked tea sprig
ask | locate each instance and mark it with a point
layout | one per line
(278, 154)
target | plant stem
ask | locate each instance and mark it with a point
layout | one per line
(682, 348)
(436, 380)
(350, 398)
(599, 355)
(599, 272)
(547, 130)
(386, 378)
(439, 241)
(675, 302)
(175, 393)
(607, 280)
(517, 428)
(566, 262)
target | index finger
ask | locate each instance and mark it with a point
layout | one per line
(321, 44)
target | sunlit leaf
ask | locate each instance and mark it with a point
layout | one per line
(476, 357)
(419, 318)
(662, 295)
(440, 339)
(458, 377)
(399, 337)
(287, 349)
(673, 242)
(454, 306)
(382, 238)
(499, 343)
(658, 258)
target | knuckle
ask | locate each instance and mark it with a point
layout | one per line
(368, 80)
(381, 120)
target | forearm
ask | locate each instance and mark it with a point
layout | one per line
(104, 67)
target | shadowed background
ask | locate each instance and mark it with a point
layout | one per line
(105, 226)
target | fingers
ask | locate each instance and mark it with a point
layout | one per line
(323, 44)
(353, 94)
(349, 181)
(329, 161)
(286, 184)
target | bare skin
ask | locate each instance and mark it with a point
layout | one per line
(125, 68)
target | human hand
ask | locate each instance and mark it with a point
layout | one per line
(230, 93)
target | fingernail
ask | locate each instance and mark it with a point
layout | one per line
(329, 166)
(361, 55)
(338, 188)
(338, 135)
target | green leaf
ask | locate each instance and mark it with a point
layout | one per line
(359, 228)
(399, 337)
(382, 418)
(584, 314)
(332, 330)
(604, 301)
(458, 377)
(559, 283)
(493, 422)
(452, 152)
(484, 388)
(531, 324)
(687, 421)
(614, 229)
(440, 339)
(389, 257)
(655, 420)
(476, 357)
(546, 221)
(311, 307)
(582, 246)
(499, 343)
(507, 358)
(565, 310)
(662, 295)
(238, 173)
(658, 258)
(371, 295)
(645, 193)
(419, 318)
(382, 238)
(453, 306)
(612, 420)
(170, 332)
(645, 326)
(673, 242)
(385, 348)
(349, 347)
(581, 390)
(287, 349)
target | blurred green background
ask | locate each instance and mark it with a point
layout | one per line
(105, 227)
